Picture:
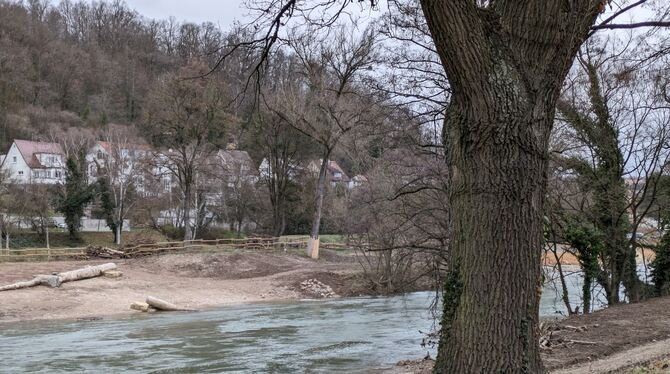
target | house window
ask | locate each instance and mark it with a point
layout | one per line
(58, 174)
(14, 159)
(20, 172)
(99, 154)
(47, 174)
(166, 184)
(36, 173)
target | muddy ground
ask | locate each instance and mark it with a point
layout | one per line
(195, 280)
(612, 340)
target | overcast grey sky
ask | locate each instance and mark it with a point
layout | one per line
(225, 12)
(220, 12)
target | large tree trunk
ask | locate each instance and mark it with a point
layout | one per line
(313, 244)
(498, 183)
(506, 65)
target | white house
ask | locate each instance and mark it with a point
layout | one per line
(34, 162)
(125, 160)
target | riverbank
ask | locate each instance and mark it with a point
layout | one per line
(194, 280)
(612, 340)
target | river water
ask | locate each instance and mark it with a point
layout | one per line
(333, 336)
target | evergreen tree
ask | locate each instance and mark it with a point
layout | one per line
(75, 194)
(589, 244)
(107, 204)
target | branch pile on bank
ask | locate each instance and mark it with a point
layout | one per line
(552, 336)
(93, 251)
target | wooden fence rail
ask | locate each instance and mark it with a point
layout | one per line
(31, 254)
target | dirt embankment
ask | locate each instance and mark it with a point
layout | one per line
(200, 281)
(613, 330)
(607, 341)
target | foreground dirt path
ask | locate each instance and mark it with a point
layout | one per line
(192, 280)
(621, 360)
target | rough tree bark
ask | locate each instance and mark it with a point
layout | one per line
(506, 64)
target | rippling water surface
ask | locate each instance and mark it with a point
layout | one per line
(332, 336)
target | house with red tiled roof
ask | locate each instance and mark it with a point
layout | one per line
(334, 173)
(34, 162)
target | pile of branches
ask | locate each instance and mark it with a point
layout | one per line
(129, 250)
(93, 251)
(553, 335)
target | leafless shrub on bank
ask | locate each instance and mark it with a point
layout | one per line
(398, 221)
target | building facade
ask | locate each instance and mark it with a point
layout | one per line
(34, 162)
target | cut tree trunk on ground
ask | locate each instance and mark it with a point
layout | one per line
(47, 280)
(57, 279)
(85, 273)
(165, 306)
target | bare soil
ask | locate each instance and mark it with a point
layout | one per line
(195, 280)
(625, 335)
(618, 338)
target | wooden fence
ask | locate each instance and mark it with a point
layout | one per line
(42, 254)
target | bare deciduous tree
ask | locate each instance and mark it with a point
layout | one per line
(323, 98)
(505, 62)
(185, 118)
(120, 172)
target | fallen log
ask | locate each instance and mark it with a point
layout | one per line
(57, 279)
(165, 306)
(47, 280)
(580, 342)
